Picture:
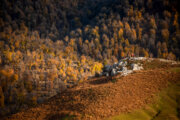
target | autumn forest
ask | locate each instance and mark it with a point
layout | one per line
(48, 45)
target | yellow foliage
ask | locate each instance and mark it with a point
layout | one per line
(62, 64)
(3, 73)
(175, 22)
(121, 24)
(62, 73)
(34, 54)
(69, 70)
(52, 53)
(41, 77)
(41, 56)
(18, 53)
(116, 51)
(127, 42)
(139, 15)
(28, 85)
(81, 80)
(65, 81)
(72, 42)
(95, 32)
(105, 62)
(7, 78)
(10, 71)
(34, 100)
(14, 77)
(52, 76)
(8, 55)
(83, 60)
(7, 73)
(126, 50)
(81, 71)
(72, 73)
(122, 54)
(120, 33)
(171, 56)
(146, 54)
(53, 61)
(16, 56)
(153, 23)
(68, 50)
(17, 44)
(97, 67)
(69, 61)
(165, 34)
(159, 53)
(134, 34)
(164, 55)
(139, 32)
(127, 27)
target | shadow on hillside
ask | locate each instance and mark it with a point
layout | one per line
(101, 80)
(65, 106)
(78, 107)
(73, 101)
(60, 116)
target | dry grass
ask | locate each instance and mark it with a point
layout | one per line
(98, 98)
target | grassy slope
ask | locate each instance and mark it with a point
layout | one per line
(165, 107)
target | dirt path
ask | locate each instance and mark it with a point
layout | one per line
(99, 98)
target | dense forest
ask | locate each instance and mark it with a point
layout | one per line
(45, 44)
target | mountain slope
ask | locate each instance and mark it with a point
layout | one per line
(100, 98)
(152, 26)
(49, 45)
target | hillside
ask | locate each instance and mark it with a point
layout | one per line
(96, 28)
(48, 46)
(100, 98)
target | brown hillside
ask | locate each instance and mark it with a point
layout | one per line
(100, 98)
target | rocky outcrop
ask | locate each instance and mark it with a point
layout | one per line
(122, 67)
(136, 67)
